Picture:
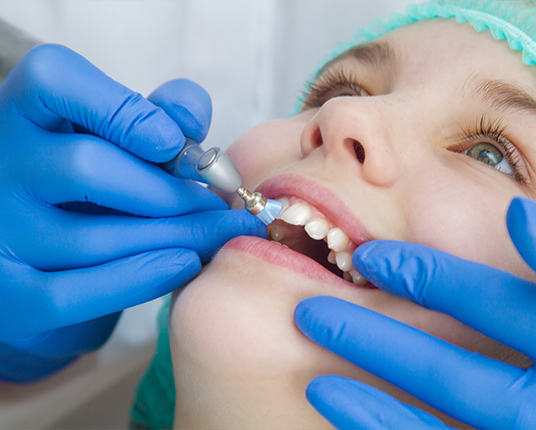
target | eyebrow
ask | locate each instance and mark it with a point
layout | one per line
(374, 54)
(501, 95)
(498, 94)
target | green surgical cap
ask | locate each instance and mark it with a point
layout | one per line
(512, 20)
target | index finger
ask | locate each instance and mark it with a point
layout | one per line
(52, 84)
(494, 302)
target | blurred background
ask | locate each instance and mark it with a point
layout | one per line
(253, 58)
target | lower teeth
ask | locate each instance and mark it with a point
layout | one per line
(357, 278)
(276, 233)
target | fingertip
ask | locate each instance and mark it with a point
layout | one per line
(161, 272)
(186, 264)
(317, 385)
(521, 224)
(192, 120)
(327, 385)
(337, 399)
(310, 311)
(519, 213)
(188, 104)
(369, 259)
(164, 270)
(391, 265)
(360, 256)
(248, 224)
(166, 139)
(301, 311)
(257, 227)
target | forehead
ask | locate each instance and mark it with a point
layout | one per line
(445, 52)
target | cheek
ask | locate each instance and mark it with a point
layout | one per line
(266, 148)
(470, 223)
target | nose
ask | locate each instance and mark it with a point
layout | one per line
(356, 134)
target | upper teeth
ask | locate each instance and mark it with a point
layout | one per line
(317, 228)
(299, 213)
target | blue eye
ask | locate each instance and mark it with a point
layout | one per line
(489, 154)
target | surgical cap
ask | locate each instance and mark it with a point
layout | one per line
(512, 20)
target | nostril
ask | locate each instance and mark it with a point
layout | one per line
(359, 152)
(317, 139)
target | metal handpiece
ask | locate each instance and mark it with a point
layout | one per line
(215, 168)
(212, 167)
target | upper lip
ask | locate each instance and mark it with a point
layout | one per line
(324, 199)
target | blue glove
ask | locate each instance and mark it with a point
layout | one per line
(71, 134)
(474, 389)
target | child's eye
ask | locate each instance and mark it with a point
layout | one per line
(489, 154)
(329, 85)
(500, 153)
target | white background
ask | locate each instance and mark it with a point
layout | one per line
(251, 55)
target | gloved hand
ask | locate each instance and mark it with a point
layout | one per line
(476, 390)
(69, 134)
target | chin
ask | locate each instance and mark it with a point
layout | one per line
(239, 360)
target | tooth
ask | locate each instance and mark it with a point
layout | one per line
(285, 202)
(337, 239)
(344, 261)
(317, 228)
(276, 233)
(347, 276)
(331, 257)
(357, 278)
(297, 214)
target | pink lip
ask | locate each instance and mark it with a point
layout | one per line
(289, 259)
(329, 203)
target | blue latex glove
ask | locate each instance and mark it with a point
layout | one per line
(69, 134)
(479, 391)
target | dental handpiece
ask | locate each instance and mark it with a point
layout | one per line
(215, 168)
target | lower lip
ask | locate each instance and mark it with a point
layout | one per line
(289, 259)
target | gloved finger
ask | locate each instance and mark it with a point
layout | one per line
(35, 302)
(69, 167)
(491, 301)
(188, 104)
(521, 222)
(21, 367)
(417, 362)
(352, 405)
(74, 340)
(66, 240)
(52, 84)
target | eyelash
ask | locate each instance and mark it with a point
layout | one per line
(326, 86)
(493, 130)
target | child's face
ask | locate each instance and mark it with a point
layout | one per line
(240, 362)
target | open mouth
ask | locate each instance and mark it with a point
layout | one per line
(304, 229)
